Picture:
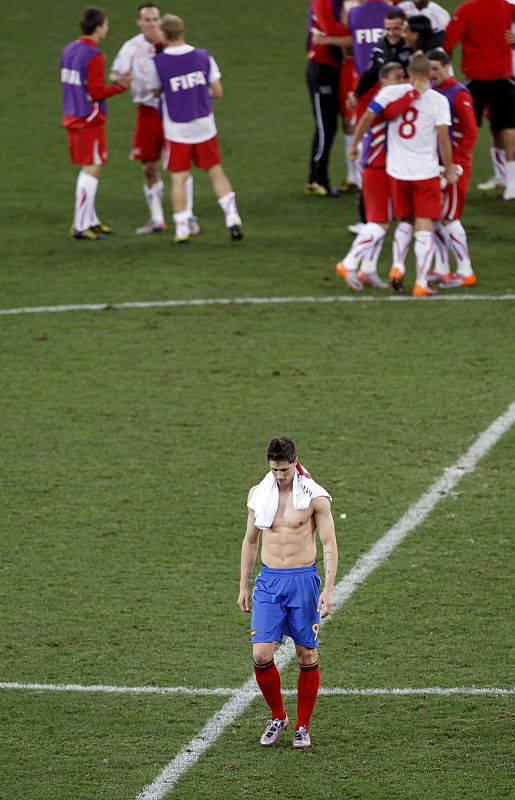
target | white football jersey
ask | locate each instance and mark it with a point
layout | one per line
(437, 15)
(135, 56)
(412, 144)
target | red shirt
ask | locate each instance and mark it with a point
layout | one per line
(480, 26)
(464, 125)
(97, 90)
(324, 21)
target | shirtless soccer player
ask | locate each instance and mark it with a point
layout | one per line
(289, 508)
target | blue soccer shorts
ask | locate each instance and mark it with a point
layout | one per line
(284, 603)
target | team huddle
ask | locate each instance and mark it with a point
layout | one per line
(410, 126)
(172, 85)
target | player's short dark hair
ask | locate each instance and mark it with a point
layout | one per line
(439, 55)
(387, 69)
(422, 25)
(92, 18)
(397, 13)
(147, 5)
(281, 449)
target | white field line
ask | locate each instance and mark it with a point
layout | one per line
(225, 692)
(228, 301)
(365, 566)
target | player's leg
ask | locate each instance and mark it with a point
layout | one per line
(322, 82)
(87, 149)
(427, 206)
(441, 271)
(378, 208)
(207, 156)
(307, 692)
(502, 110)
(179, 205)
(267, 624)
(147, 143)
(153, 189)
(303, 625)
(269, 681)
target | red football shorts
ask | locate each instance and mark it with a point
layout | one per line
(376, 195)
(416, 198)
(87, 146)
(147, 141)
(453, 196)
(177, 156)
(347, 82)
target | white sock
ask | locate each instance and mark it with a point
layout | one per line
(499, 161)
(228, 205)
(369, 264)
(363, 245)
(510, 176)
(188, 188)
(154, 198)
(459, 246)
(401, 243)
(85, 192)
(424, 249)
(181, 224)
(441, 249)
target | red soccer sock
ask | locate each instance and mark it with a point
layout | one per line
(307, 690)
(269, 681)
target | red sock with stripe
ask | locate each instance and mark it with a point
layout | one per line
(269, 681)
(307, 690)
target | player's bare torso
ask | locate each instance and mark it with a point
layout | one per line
(290, 542)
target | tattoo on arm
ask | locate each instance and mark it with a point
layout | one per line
(328, 557)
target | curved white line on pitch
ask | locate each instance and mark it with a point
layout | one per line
(242, 301)
(255, 692)
(365, 566)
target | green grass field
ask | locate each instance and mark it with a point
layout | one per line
(130, 437)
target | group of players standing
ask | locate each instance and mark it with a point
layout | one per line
(172, 86)
(416, 157)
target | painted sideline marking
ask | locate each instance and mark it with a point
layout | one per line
(241, 301)
(365, 566)
(221, 692)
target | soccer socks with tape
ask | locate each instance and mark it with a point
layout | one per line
(180, 219)
(228, 205)
(441, 249)
(498, 157)
(459, 246)
(188, 188)
(307, 691)
(154, 198)
(85, 192)
(401, 243)
(363, 245)
(269, 681)
(424, 250)
(369, 264)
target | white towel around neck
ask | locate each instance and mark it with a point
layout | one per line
(265, 499)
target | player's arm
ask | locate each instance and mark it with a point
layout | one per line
(445, 150)
(463, 107)
(454, 31)
(215, 85)
(336, 41)
(97, 90)
(325, 21)
(249, 550)
(325, 526)
(398, 107)
(216, 90)
(365, 122)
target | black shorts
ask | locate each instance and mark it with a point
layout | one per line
(499, 96)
